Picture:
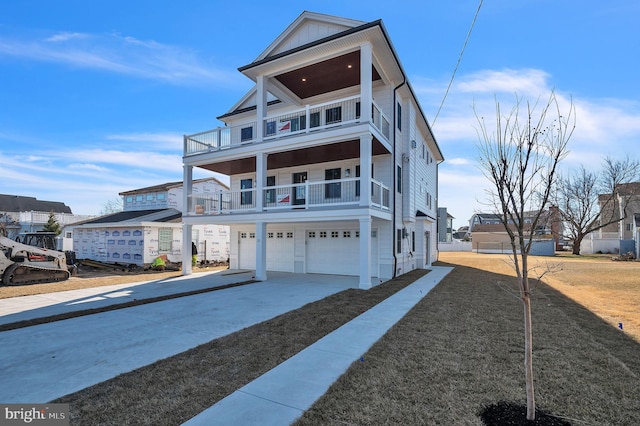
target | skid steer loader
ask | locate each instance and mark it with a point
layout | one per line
(22, 264)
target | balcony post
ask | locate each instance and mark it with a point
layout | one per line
(365, 253)
(261, 251)
(187, 189)
(365, 169)
(261, 176)
(366, 91)
(261, 104)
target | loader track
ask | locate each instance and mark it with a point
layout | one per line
(19, 274)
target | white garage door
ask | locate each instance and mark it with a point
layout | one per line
(333, 252)
(279, 250)
(247, 250)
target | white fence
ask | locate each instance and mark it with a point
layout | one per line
(455, 246)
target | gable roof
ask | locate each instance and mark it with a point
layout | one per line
(18, 203)
(308, 25)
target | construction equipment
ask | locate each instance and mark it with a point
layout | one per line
(22, 264)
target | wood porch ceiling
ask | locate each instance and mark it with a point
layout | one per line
(296, 158)
(326, 76)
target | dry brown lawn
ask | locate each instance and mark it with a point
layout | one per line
(462, 348)
(609, 289)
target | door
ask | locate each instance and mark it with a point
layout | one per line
(246, 198)
(299, 195)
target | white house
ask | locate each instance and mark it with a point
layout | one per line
(28, 214)
(150, 225)
(333, 166)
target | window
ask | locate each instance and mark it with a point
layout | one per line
(298, 123)
(270, 194)
(358, 181)
(413, 241)
(314, 117)
(289, 234)
(271, 128)
(399, 117)
(129, 198)
(323, 234)
(332, 190)
(628, 227)
(269, 234)
(279, 235)
(357, 109)
(138, 198)
(149, 197)
(333, 115)
(246, 197)
(312, 234)
(160, 196)
(165, 238)
(399, 179)
(346, 234)
(398, 240)
(246, 134)
(252, 234)
(335, 234)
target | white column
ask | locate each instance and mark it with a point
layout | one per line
(261, 106)
(366, 91)
(187, 189)
(261, 179)
(365, 253)
(365, 169)
(261, 251)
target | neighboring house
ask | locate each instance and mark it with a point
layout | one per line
(150, 226)
(28, 214)
(332, 163)
(445, 225)
(549, 223)
(619, 236)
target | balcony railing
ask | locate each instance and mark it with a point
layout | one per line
(308, 195)
(309, 119)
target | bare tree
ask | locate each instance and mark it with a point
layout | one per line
(589, 201)
(111, 206)
(520, 158)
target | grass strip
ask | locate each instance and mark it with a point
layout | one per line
(461, 349)
(173, 390)
(130, 304)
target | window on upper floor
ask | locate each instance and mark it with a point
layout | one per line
(399, 116)
(399, 179)
(246, 133)
(160, 196)
(332, 190)
(150, 197)
(333, 115)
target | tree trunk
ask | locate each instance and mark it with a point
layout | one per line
(575, 245)
(528, 356)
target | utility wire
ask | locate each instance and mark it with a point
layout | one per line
(457, 64)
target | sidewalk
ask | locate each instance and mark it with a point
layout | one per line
(282, 395)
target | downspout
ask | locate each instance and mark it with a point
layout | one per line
(395, 176)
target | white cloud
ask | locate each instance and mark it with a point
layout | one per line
(172, 141)
(123, 55)
(459, 161)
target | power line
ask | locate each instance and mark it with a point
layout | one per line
(457, 64)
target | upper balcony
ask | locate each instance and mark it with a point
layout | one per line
(308, 195)
(312, 118)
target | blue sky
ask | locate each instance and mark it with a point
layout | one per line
(96, 95)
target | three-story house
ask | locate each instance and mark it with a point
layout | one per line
(332, 164)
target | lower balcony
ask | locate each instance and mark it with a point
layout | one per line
(338, 193)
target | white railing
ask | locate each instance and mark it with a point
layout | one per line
(308, 195)
(33, 217)
(308, 119)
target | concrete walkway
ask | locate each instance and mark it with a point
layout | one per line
(282, 394)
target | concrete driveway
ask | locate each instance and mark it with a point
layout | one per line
(44, 362)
